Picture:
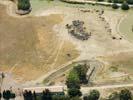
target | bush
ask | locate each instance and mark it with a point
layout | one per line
(100, 0)
(115, 6)
(94, 95)
(73, 92)
(73, 80)
(110, 1)
(23, 5)
(130, 1)
(125, 6)
(125, 95)
(118, 1)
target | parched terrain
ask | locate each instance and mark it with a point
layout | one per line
(29, 47)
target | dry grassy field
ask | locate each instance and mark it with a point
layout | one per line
(118, 68)
(28, 46)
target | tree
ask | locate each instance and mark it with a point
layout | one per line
(81, 70)
(6, 94)
(110, 1)
(75, 98)
(100, 0)
(47, 95)
(94, 95)
(23, 5)
(56, 97)
(0, 95)
(13, 95)
(27, 95)
(130, 1)
(73, 80)
(125, 95)
(73, 92)
(115, 6)
(124, 6)
(34, 96)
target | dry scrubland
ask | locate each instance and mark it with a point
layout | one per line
(32, 46)
(118, 68)
(29, 47)
(101, 44)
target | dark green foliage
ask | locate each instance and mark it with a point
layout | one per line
(23, 5)
(47, 95)
(117, 1)
(0, 95)
(76, 98)
(27, 95)
(56, 97)
(73, 92)
(110, 1)
(73, 80)
(6, 95)
(115, 6)
(81, 71)
(130, 1)
(100, 0)
(94, 95)
(121, 1)
(125, 95)
(125, 6)
(76, 77)
(34, 96)
(13, 95)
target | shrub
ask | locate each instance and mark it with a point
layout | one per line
(110, 1)
(118, 1)
(115, 6)
(23, 5)
(130, 1)
(124, 6)
(73, 92)
(94, 95)
(100, 0)
(125, 94)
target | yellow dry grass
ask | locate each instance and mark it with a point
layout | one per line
(29, 46)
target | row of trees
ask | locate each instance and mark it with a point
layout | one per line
(46, 95)
(124, 6)
(124, 94)
(121, 1)
(7, 95)
(75, 78)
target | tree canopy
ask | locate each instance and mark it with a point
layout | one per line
(24, 5)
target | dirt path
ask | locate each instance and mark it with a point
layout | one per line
(86, 89)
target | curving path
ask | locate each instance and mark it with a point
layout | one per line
(92, 2)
